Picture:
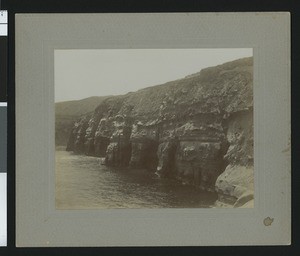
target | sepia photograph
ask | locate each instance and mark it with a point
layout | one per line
(154, 128)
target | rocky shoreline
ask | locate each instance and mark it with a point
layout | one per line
(198, 129)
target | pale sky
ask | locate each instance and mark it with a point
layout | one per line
(83, 73)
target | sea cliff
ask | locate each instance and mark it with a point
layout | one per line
(198, 130)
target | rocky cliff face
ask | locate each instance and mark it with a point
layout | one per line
(67, 112)
(198, 129)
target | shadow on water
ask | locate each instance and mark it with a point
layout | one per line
(83, 183)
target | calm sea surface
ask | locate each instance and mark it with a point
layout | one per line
(83, 183)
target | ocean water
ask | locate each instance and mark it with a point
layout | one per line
(82, 182)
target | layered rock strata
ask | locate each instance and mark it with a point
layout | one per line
(198, 129)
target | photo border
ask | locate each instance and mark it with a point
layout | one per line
(36, 37)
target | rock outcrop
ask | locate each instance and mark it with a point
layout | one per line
(198, 129)
(235, 185)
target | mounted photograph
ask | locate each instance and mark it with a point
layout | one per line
(154, 128)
